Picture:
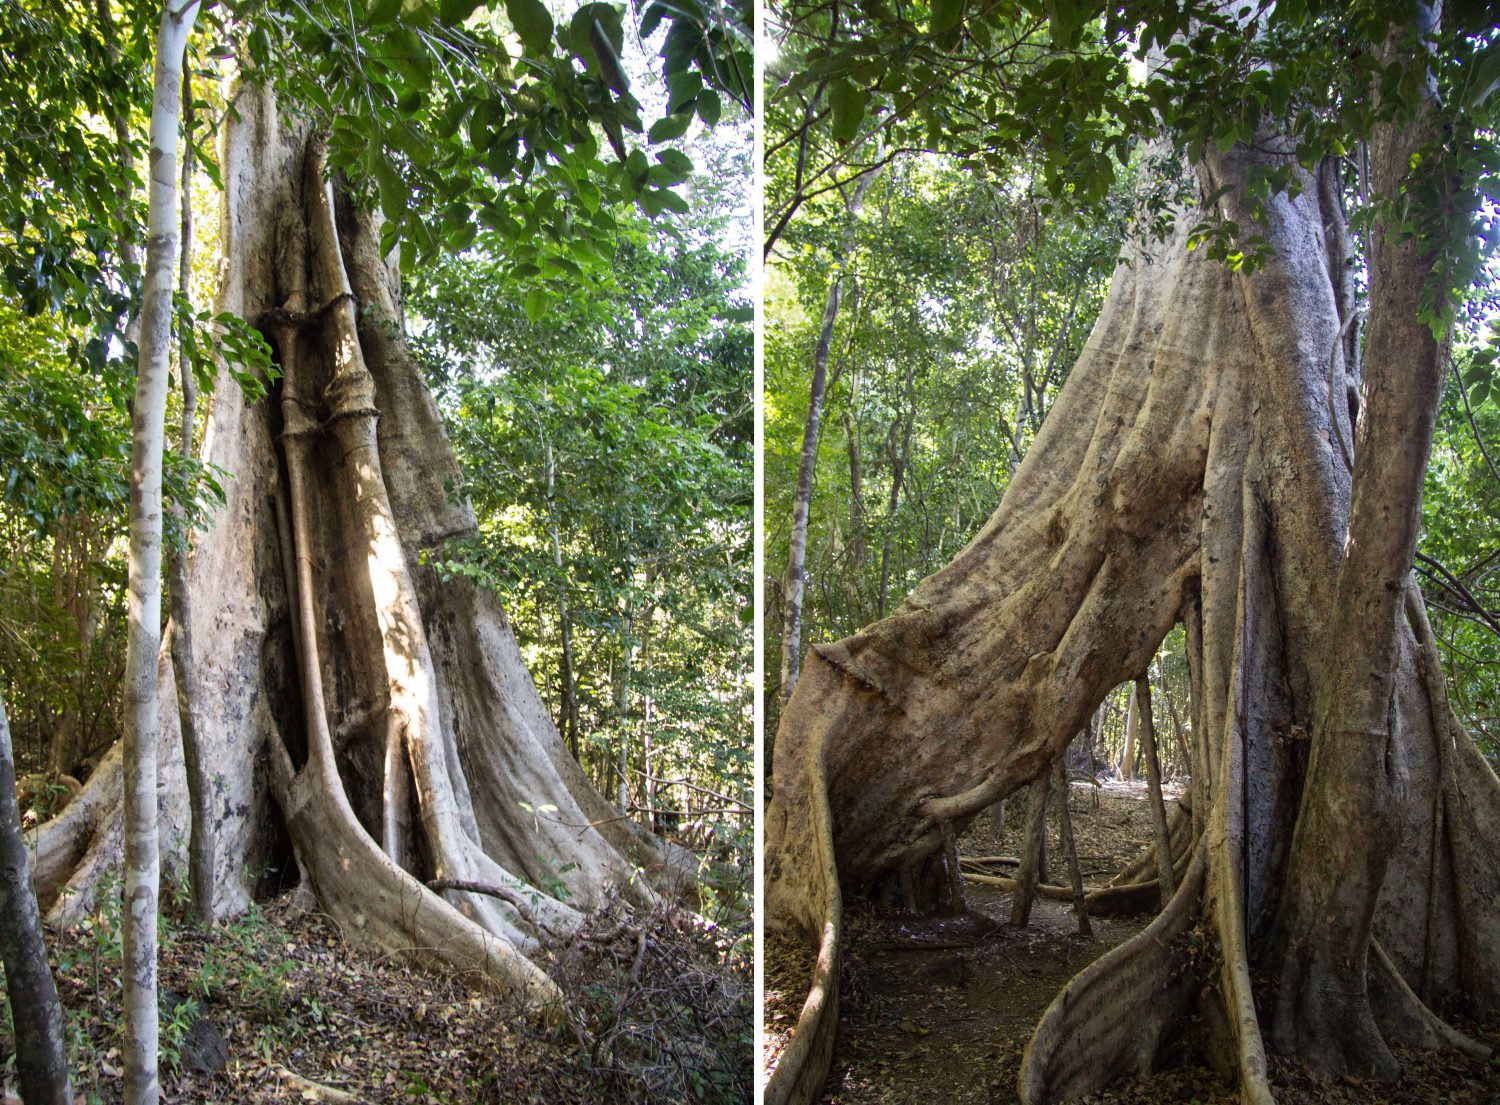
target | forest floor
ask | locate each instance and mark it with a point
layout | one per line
(940, 1010)
(276, 1006)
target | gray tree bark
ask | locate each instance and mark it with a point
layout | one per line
(41, 1062)
(1032, 847)
(201, 840)
(343, 680)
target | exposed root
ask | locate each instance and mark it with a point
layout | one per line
(1128, 900)
(1112, 1019)
(799, 1076)
(1402, 1017)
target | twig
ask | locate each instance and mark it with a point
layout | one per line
(317, 1089)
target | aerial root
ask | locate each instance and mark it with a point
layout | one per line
(1113, 1017)
(1402, 1016)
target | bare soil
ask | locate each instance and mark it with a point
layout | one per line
(939, 1010)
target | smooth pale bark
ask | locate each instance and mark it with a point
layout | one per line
(794, 582)
(36, 1014)
(143, 638)
(1190, 471)
(1132, 723)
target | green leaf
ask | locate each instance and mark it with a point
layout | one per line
(677, 161)
(533, 23)
(454, 12)
(1486, 78)
(709, 107)
(665, 175)
(946, 16)
(847, 104)
(673, 126)
(536, 304)
(683, 89)
(672, 201)
(1065, 19)
(383, 11)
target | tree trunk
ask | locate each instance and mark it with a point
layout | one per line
(1070, 849)
(1132, 723)
(1189, 470)
(1034, 843)
(36, 1015)
(795, 582)
(1142, 700)
(201, 838)
(796, 558)
(384, 709)
(143, 639)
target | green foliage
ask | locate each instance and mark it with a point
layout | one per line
(1070, 89)
(482, 126)
(64, 465)
(606, 441)
(964, 308)
(1460, 503)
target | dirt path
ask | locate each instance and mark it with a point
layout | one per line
(938, 1011)
(935, 1002)
(945, 1003)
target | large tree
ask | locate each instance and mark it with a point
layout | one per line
(1233, 452)
(366, 719)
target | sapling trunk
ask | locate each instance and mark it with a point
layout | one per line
(143, 637)
(35, 1012)
(1070, 849)
(1153, 783)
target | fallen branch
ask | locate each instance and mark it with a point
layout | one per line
(317, 1089)
(1101, 901)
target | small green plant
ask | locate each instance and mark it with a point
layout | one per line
(174, 1030)
(551, 881)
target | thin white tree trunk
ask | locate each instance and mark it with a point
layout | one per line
(1127, 757)
(143, 640)
(796, 560)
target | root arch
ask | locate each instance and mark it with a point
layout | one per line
(1190, 470)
